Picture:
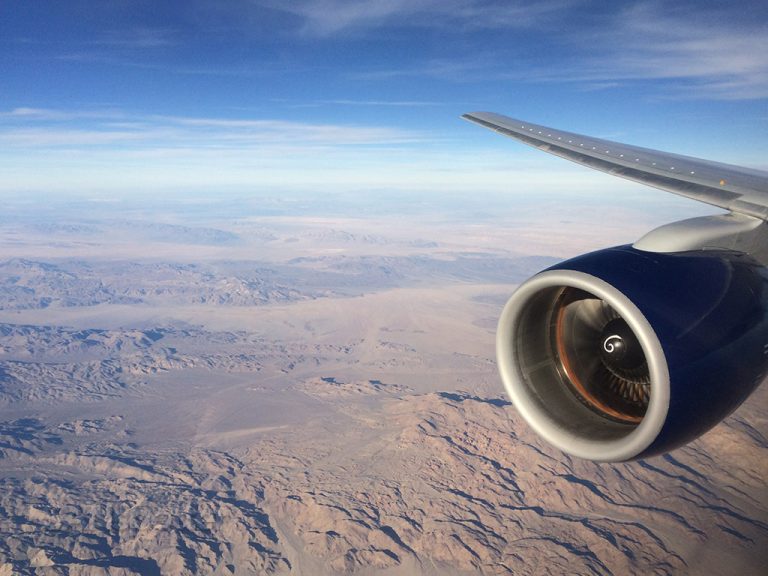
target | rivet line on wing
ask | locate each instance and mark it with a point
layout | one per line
(523, 127)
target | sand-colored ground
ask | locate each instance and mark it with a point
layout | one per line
(316, 393)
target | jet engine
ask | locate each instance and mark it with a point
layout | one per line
(622, 353)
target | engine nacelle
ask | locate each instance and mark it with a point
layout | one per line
(622, 354)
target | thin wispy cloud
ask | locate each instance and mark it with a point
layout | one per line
(245, 130)
(70, 150)
(39, 138)
(123, 47)
(136, 37)
(694, 55)
(71, 129)
(458, 69)
(100, 57)
(699, 54)
(135, 47)
(328, 17)
(41, 114)
(364, 103)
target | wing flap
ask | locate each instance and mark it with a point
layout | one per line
(734, 188)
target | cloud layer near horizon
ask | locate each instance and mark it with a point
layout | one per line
(365, 90)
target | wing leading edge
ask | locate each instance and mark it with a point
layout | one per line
(733, 188)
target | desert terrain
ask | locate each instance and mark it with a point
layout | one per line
(287, 384)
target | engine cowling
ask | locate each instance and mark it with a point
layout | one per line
(622, 354)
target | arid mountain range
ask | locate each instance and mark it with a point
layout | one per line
(288, 391)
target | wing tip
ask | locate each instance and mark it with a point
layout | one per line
(475, 113)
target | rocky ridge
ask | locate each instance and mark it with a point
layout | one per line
(446, 483)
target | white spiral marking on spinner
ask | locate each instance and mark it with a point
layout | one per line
(608, 344)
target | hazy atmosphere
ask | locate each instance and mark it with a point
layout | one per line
(252, 261)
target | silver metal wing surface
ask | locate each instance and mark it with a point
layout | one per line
(741, 190)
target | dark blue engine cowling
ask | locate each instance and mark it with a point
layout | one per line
(701, 318)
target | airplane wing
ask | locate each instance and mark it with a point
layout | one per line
(733, 188)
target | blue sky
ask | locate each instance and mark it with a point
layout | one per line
(143, 96)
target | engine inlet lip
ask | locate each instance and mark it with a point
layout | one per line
(632, 440)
